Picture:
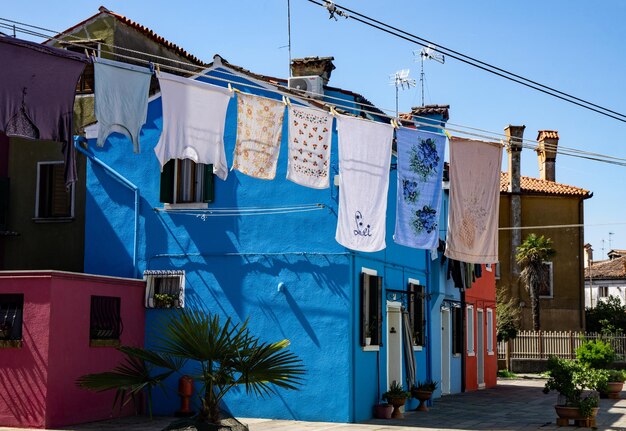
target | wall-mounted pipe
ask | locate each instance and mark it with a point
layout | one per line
(126, 183)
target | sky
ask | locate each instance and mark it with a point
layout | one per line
(574, 46)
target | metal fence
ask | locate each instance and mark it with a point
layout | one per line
(543, 344)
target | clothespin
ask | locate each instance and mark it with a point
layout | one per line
(286, 101)
(447, 134)
(233, 89)
(394, 123)
(333, 111)
(151, 66)
(158, 68)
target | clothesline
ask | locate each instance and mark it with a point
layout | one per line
(563, 150)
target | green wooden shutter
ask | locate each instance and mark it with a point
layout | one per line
(167, 182)
(208, 188)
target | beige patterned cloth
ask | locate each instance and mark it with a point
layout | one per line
(309, 147)
(259, 130)
(474, 201)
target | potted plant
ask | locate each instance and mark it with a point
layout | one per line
(164, 300)
(614, 384)
(396, 396)
(576, 384)
(422, 392)
(5, 330)
(370, 329)
(383, 410)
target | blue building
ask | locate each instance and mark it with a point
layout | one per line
(266, 250)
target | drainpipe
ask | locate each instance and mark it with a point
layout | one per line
(463, 336)
(120, 179)
(428, 318)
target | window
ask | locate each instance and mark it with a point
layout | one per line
(603, 291)
(11, 309)
(184, 181)
(489, 330)
(105, 325)
(165, 289)
(371, 315)
(470, 330)
(546, 291)
(497, 273)
(53, 200)
(457, 331)
(86, 82)
(416, 312)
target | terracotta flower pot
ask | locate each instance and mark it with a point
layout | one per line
(422, 396)
(565, 412)
(614, 389)
(397, 403)
(383, 411)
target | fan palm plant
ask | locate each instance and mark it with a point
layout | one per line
(531, 256)
(223, 356)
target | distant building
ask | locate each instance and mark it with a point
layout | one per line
(606, 278)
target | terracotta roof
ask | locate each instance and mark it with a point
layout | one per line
(442, 110)
(283, 83)
(547, 134)
(607, 269)
(142, 29)
(536, 185)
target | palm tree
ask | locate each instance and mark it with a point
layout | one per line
(222, 356)
(531, 255)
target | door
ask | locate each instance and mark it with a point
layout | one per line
(394, 343)
(480, 347)
(445, 351)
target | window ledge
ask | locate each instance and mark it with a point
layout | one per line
(53, 219)
(10, 344)
(374, 348)
(104, 343)
(471, 354)
(490, 353)
(417, 348)
(456, 355)
(187, 206)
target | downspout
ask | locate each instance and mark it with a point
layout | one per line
(353, 345)
(428, 318)
(463, 336)
(120, 179)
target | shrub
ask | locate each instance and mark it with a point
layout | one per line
(598, 354)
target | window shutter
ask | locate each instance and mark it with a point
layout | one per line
(167, 182)
(376, 294)
(416, 312)
(457, 331)
(364, 311)
(208, 189)
(4, 201)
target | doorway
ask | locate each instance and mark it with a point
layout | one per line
(480, 347)
(394, 343)
(445, 351)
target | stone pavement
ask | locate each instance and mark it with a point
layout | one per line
(512, 405)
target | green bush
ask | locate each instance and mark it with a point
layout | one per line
(598, 354)
(616, 375)
(610, 312)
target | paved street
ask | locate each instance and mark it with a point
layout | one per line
(513, 405)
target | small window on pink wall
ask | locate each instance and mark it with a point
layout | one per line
(105, 325)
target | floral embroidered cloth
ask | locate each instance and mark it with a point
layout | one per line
(420, 171)
(364, 159)
(474, 201)
(309, 147)
(259, 130)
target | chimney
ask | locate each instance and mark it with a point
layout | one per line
(514, 136)
(546, 152)
(588, 255)
(313, 66)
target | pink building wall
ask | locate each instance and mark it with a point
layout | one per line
(482, 295)
(37, 381)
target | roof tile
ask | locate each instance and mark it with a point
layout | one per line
(536, 185)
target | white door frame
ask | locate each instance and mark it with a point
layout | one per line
(445, 351)
(480, 347)
(394, 344)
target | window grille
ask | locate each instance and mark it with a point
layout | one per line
(106, 319)
(11, 311)
(165, 289)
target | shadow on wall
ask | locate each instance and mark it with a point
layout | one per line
(23, 390)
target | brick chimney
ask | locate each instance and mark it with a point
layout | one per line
(588, 255)
(514, 136)
(546, 152)
(313, 66)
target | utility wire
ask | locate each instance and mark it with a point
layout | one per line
(364, 19)
(427, 122)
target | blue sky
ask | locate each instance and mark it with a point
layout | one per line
(572, 45)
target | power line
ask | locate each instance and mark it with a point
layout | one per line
(426, 121)
(372, 22)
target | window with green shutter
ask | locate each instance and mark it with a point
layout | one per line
(371, 315)
(184, 181)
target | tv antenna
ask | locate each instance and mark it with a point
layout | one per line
(611, 240)
(400, 79)
(428, 53)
